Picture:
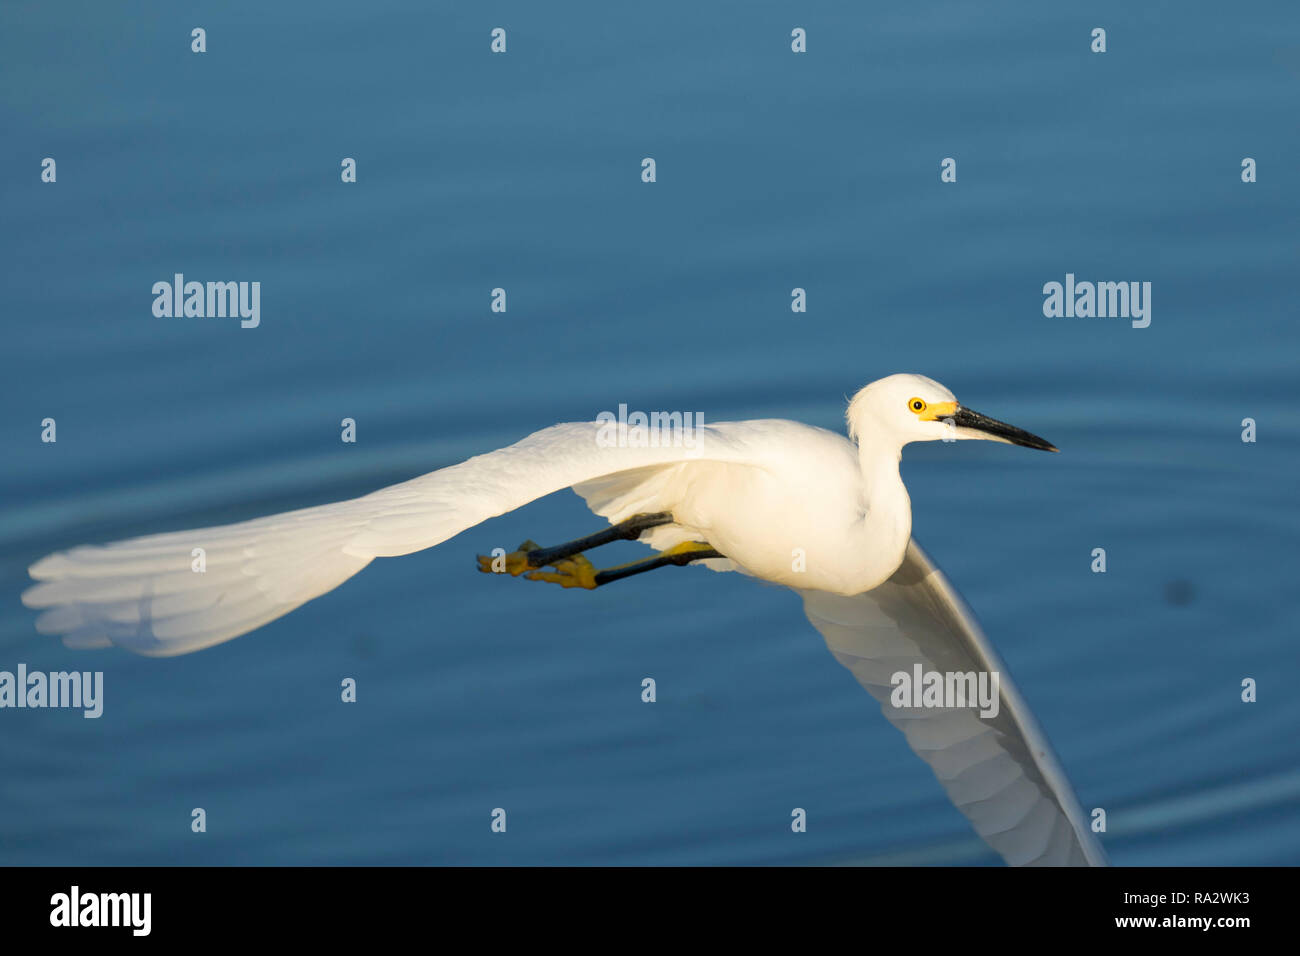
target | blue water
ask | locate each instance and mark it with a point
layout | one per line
(775, 171)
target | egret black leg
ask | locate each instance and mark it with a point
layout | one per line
(531, 555)
(628, 530)
(679, 556)
(578, 572)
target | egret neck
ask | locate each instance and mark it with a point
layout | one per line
(886, 524)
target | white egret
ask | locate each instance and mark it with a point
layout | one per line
(745, 496)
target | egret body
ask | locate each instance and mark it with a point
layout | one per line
(785, 502)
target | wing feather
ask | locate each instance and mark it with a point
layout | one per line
(142, 594)
(1000, 771)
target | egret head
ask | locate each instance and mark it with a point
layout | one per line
(907, 408)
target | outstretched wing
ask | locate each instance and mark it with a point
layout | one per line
(144, 594)
(999, 771)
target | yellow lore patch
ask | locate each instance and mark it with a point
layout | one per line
(937, 411)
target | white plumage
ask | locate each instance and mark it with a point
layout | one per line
(1000, 772)
(784, 502)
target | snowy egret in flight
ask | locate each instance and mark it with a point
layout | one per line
(744, 496)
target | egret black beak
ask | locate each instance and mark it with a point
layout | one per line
(999, 431)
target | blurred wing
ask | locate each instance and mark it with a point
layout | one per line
(144, 595)
(998, 771)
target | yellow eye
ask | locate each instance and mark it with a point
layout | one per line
(916, 405)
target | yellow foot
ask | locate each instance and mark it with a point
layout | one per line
(686, 547)
(514, 563)
(574, 572)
